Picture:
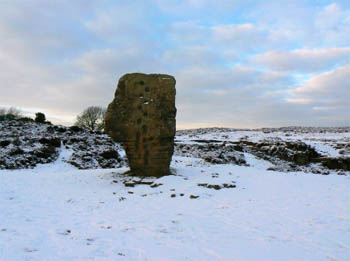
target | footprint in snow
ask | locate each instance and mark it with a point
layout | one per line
(30, 250)
(90, 241)
(64, 232)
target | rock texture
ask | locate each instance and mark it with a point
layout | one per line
(214, 153)
(142, 117)
(26, 144)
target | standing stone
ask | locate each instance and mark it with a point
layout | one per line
(142, 117)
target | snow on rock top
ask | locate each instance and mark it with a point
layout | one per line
(312, 150)
(27, 144)
(306, 149)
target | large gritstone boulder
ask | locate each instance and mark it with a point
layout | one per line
(142, 117)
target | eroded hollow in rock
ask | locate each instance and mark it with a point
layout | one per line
(142, 117)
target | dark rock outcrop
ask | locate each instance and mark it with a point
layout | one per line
(27, 144)
(215, 153)
(293, 151)
(337, 163)
(142, 117)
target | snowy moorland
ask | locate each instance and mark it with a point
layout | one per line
(269, 194)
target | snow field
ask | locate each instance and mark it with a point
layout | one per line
(56, 212)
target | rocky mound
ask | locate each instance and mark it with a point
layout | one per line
(337, 163)
(27, 144)
(307, 149)
(215, 153)
(296, 152)
(285, 130)
(285, 155)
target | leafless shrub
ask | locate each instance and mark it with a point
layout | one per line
(91, 118)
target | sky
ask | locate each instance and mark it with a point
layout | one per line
(237, 63)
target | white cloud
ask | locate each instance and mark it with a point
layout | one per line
(124, 22)
(327, 90)
(114, 61)
(304, 60)
(211, 78)
(181, 7)
(333, 24)
(192, 57)
(226, 39)
(60, 57)
(243, 36)
(299, 101)
(332, 17)
(188, 32)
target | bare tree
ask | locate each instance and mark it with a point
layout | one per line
(2, 111)
(14, 112)
(10, 114)
(91, 118)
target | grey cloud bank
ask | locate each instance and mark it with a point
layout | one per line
(235, 66)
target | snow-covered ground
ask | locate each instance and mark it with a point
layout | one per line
(202, 212)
